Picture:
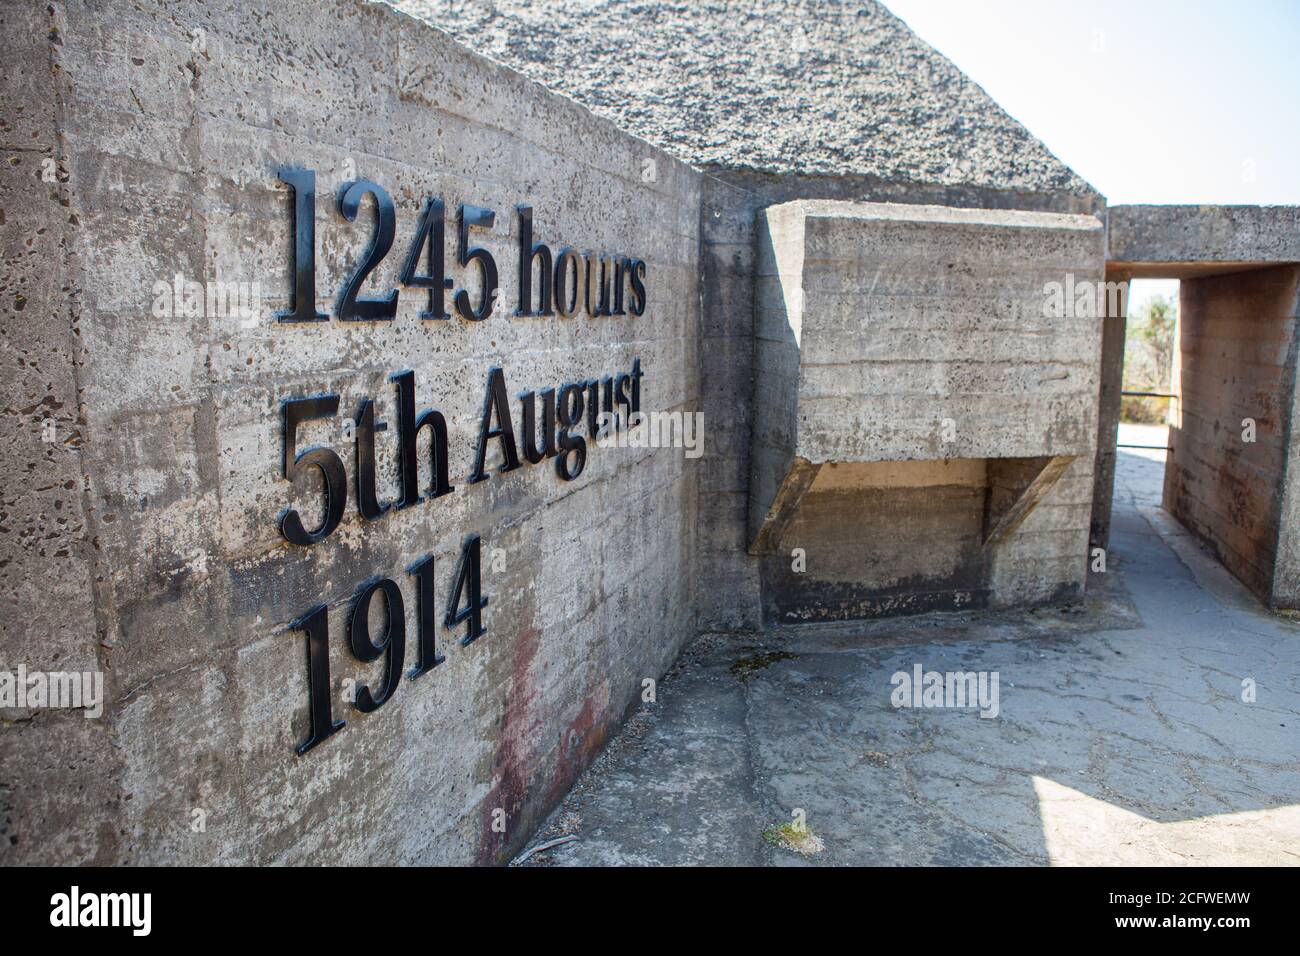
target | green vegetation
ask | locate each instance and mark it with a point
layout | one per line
(790, 837)
(1148, 359)
(746, 667)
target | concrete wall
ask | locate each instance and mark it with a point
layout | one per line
(1237, 360)
(910, 333)
(60, 796)
(142, 537)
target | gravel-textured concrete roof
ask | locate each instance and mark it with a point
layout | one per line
(829, 87)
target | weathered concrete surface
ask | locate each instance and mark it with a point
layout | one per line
(913, 333)
(141, 536)
(1233, 460)
(57, 769)
(1122, 736)
(1178, 241)
(840, 87)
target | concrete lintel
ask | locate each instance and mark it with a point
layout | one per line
(1193, 240)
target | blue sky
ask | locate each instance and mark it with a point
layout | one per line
(1160, 101)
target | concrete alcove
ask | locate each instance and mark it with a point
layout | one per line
(902, 537)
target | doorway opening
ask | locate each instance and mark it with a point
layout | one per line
(1227, 472)
(1149, 398)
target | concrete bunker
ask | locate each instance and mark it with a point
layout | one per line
(884, 390)
(922, 436)
(1232, 477)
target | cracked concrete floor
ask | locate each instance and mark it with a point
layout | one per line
(1122, 736)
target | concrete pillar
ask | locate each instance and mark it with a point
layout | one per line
(1114, 329)
(1286, 565)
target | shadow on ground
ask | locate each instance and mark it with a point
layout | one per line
(1122, 735)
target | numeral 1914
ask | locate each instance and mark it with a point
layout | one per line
(464, 606)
